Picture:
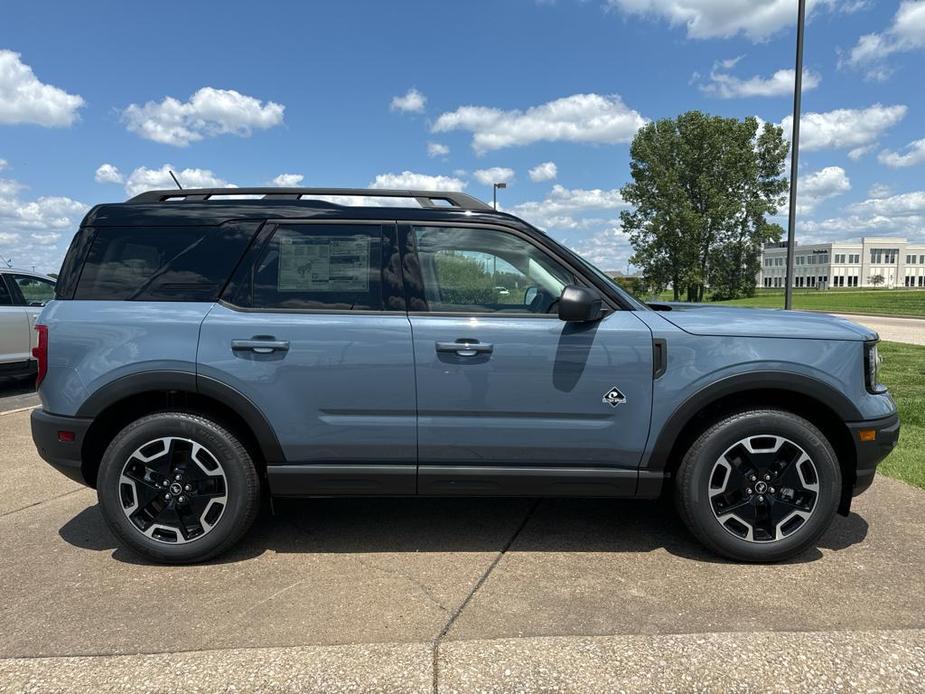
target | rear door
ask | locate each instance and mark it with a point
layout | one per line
(510, 398)
(15, 339)
(314, 332)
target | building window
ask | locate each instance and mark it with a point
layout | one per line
(881, 256)
(910, 260)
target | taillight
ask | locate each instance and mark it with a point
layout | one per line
(40, 352)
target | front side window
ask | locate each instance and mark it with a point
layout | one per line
(317, 267)
(35, 291)
(468, 270)
(6, 299)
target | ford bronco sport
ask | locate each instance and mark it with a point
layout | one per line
(206, 347)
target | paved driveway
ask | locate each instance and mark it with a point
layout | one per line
(910, 330)
(458, 595)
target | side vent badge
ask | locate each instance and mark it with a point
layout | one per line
(614, 397)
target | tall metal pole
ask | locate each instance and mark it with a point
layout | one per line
(794, 156)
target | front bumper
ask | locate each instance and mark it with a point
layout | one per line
(64, 456)
(869, 453)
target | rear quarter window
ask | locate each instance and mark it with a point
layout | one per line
(162, 263)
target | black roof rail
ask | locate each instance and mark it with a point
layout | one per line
(425, 198)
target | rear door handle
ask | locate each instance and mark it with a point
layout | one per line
(260, 345)
(466, 348)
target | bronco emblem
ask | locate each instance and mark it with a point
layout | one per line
(614, 397)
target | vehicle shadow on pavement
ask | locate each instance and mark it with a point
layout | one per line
(460, 525)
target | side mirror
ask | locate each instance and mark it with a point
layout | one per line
(580, 304)
(530, 295)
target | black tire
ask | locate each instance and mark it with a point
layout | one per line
(702, 473)
(236, 477)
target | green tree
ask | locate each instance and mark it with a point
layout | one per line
(701, 192)
(877, 280)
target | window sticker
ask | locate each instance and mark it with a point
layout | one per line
(323, 263)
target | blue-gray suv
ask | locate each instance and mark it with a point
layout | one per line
(208, 347)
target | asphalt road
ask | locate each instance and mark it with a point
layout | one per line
(452, 595)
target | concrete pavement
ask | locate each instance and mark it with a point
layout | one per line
(453, 594)
(892, 328)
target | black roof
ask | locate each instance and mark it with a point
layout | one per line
(211, 206)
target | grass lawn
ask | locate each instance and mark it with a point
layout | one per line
(903, 371)
(898, 302)
(886, 302)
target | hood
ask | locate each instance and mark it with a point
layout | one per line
(710, 319)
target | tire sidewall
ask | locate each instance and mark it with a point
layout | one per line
(236, 464)
(717, 440)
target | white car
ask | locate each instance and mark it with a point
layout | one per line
(22, 296)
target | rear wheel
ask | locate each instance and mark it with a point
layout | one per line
(177, 488)
(759, 486)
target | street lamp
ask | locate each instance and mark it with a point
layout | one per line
(794, 155)
(494, 193)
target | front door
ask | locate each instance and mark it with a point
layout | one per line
(503, 383)
(316, 336)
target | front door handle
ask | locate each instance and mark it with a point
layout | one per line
(466, 348)
(260, 345)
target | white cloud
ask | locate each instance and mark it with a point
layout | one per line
(609, 249)
(845, 128)
(409, 180)
(859, 152)
(3, 164)
(496, 174)
(24, 99)
(907, 33)
(901, 205)
(821, 185)
(727, 86)
(107, 173)
(914, 154)
(565, 208)
(411, 102)
(288, 180)
(31, 228)
(143, 178)
(576, 118)
(902, 214)
(435, 149)
(706, 19)
(209, 112)
(547, 171)
(879, 190)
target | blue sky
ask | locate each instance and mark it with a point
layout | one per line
(545, 94)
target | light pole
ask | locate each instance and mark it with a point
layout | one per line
(794, 156)
(494, 193)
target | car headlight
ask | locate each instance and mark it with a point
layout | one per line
(872, 361)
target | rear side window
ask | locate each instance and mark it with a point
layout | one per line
(162, 263)
(317, 266)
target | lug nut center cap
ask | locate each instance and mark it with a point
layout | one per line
(760, 487)
(176, 488)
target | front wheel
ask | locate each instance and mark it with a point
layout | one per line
(177, 488)
(759, 486)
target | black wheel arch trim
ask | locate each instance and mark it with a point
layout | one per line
(189, 382)
(796, 383)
